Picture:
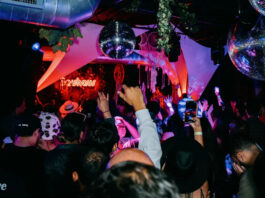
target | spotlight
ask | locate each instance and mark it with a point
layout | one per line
(217, 55)
(36, 46)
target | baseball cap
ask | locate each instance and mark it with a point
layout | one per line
(26, 124)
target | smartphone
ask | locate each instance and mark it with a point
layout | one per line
(190, 111)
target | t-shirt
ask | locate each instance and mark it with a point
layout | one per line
(27, 164)
(11, 186)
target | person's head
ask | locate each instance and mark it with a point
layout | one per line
(153, 108)
(50, 125)
(91, 164)
(21, 106)
(68, 107)
(73, 127)
(50, 128)
(27, 128)
(186, 162)
(89, 108)
(130, 155)
(59, 167)
(50, 108)
(104, 136)
(134, 180)
(253, 107)
(243, 150)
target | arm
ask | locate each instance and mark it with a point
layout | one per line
(133, 131)
(103, 104)
(219, 99)
(209, 116)
(149, 140)
(168, 102)
(198, 136)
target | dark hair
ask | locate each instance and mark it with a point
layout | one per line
(90, 106)
(240, 141)
(253, 107)
(72, 125)
(104, 136)
(153, 108)
(91, 164)
(59, 166)
(133, 180)
(49, 107)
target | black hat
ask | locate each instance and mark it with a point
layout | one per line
(26, 124)
(186, 161)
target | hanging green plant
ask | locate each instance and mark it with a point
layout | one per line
(60, 40)
(164, 15)
(164, 29)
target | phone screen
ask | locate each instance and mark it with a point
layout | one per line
(191, 111)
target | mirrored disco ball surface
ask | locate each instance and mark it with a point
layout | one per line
(117, 40)
(258, 5)
(247, 51)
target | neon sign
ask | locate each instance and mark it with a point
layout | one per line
(77, 82)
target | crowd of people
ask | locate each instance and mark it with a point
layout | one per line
(133, 148)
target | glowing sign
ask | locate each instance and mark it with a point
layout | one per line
(77, 82)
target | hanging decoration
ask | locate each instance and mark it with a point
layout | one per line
(153, 79)
(118, 75)
(60, 40)
(117, 40)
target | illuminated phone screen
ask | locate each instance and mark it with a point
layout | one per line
(191, 111)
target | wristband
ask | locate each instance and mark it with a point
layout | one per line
(105, 111)
(198, 133)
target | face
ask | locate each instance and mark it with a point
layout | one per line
(245, 158)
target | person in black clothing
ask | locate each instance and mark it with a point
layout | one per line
(256, 129)
(21, 158)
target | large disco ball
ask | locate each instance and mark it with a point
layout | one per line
(246, 48)
(258, 5)
(117, 40)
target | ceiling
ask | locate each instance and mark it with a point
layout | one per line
(214, 18)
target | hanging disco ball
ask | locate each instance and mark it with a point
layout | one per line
(258, 5)
(246, 49)
(117, 40)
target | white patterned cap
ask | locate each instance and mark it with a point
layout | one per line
(50, 125)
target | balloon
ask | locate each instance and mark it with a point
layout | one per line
(246, 49)
(258, 5)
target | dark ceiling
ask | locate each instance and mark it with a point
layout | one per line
(214, 18)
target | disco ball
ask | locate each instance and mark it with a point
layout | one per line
(246, 49)
(258, 5)
(117, 40)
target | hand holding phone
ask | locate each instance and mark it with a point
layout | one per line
(190, 111)
(216, 90)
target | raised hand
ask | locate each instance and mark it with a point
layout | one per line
(239, 169)
(103, 104)
(168, 101)
(196, 125)
(133, 96)
(210, 110)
